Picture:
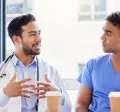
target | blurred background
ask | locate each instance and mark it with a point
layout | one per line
(71, 31)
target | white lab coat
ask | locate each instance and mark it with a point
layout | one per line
(15, 103)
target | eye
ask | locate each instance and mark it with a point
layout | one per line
(39, 33)
(108, 33)
(32, 35)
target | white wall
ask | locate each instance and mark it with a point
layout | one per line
(66, 41)
(113, 5)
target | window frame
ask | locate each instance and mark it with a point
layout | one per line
(92, 12)
(2, 30)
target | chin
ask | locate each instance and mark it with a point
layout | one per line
(106, 51)
(36, 53)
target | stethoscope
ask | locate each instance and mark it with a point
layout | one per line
(4, 65)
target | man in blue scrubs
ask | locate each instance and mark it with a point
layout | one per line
(101, 75)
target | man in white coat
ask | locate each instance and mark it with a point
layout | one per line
(24, 79)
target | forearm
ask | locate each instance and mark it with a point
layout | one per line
(81, 108)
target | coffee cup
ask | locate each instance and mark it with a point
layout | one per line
(114, 101)
(53, 99)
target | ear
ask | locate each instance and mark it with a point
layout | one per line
(16, 39)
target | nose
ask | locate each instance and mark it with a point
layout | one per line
(38, 37)
(103, 36)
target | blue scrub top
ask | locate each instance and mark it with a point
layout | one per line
(99, 76)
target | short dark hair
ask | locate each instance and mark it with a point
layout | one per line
(114, 18)
(14, 27)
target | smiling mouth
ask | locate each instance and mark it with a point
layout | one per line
(36, 46)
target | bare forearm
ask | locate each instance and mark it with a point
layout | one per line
(81, 108)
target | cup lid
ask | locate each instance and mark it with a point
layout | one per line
(53, 93)
(114, 94)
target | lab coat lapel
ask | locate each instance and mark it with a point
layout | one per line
(9, 70)
(42, 71)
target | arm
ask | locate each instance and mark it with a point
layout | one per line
(3, 98)
(83, 99)
(66, 105)
(84, 96)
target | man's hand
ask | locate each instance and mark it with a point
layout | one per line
(18, 88)
(44, 87)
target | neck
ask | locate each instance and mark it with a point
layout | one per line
(116, 62)
(25, 59)
(116, 58)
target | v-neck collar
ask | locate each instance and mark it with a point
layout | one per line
(111, 64)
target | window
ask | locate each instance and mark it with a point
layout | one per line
(80, 67)
(19, 6)
(92, 9)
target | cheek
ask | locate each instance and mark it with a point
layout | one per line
(110, 41)
(114, 44)
(118, 43)
(28, 41)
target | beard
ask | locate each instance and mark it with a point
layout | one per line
(29, 51)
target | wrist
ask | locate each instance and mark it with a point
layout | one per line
(5, 92)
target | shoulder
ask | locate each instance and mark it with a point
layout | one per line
(99, 59)
(47, 67)
(2, 63)
(51, 71)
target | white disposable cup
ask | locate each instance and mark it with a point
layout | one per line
(114, 101)
(53, 99)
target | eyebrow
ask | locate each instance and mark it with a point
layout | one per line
(34, 31)
(107, 30)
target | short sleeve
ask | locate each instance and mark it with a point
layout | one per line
(85, 76)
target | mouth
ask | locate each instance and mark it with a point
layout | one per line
(36, 46)
(103, 45)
